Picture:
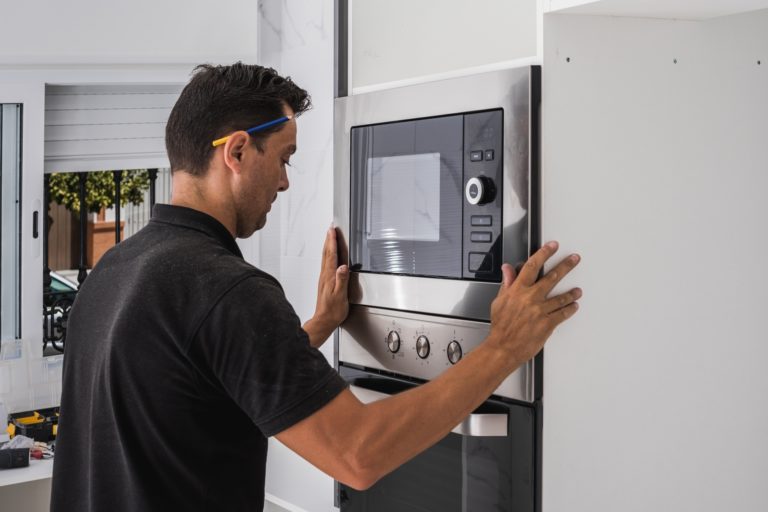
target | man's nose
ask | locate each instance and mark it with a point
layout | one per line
(284, 184)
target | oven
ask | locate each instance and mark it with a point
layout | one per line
(435, 186)
(485, 464)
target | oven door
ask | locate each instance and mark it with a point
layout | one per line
(485, 464)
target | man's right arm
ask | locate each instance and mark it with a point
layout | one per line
(357, 444)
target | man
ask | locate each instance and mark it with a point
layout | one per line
(182, 358)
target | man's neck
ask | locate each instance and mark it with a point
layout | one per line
(188, 192)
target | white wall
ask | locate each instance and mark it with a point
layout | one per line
(656, 171)
(141, 31)
(396, 41)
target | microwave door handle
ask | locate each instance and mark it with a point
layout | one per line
(474, 425)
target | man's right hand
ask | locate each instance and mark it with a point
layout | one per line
(522, 315)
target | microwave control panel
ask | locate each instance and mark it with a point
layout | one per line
(483, 181)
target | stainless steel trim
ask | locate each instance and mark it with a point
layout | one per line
(508, 89)
(474, 425)
(449, 297)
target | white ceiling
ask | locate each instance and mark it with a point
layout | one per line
(670, 9)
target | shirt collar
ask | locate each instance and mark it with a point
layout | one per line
(197, 220)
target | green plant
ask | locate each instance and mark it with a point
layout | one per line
(99, 189)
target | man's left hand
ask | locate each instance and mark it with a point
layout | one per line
(332, 302)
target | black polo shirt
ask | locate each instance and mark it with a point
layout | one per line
(180, 360)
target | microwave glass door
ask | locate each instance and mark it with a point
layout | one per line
(406, 207)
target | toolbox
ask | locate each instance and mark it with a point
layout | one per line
(40, 425)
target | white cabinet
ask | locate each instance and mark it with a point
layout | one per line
(654, 163)
(396, 42)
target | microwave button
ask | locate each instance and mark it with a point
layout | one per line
(475, 156)
(489, 154)
(480, 262)
(480, 236)
(481, 220)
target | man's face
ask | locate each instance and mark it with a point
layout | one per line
(264, 175)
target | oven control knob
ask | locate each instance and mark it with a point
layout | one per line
(393, 341)
(480, 190)
(422, 346)
(454, 352)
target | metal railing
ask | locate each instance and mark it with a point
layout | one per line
(57, 303)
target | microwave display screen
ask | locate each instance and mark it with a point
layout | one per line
(415, 181)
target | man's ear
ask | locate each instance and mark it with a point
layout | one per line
(233, 150)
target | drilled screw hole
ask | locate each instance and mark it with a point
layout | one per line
(567, 59)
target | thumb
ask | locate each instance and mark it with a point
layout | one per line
(342, 278)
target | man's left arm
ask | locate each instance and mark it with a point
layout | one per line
(332, 302)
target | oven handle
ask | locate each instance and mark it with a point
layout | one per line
(474, 425)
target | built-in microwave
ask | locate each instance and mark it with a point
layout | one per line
(433, 189)
(427, 196)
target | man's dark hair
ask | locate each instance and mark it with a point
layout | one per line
(222, 99)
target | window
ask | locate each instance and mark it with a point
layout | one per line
(75, 240)
(10, 222)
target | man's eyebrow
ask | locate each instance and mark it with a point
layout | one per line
(291, 149)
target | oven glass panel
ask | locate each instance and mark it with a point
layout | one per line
(406, 204)
(459, 473)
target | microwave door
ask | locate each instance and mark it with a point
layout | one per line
(407, 197)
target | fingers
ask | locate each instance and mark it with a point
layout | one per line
(561, 301)
(561, 315)
(530, 271)
(330, 255)
(341, 247)
(508, 275)
(555, 275)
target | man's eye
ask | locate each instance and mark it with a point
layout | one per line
(286, 162)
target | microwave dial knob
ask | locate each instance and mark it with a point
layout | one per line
(479, 190)
(393, 341)
(454, 352)
(422, 346)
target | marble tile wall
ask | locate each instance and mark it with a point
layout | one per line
(296, 38)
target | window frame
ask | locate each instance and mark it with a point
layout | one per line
(31, 95)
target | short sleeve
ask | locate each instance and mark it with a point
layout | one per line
(253, 343)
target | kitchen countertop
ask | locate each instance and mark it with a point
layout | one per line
(37, 470)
